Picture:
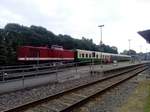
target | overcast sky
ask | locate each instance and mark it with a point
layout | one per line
(78, 18)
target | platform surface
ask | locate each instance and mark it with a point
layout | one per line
(67, 74)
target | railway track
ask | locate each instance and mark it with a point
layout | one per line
(15, 67)
(67, 100)
(26, 68)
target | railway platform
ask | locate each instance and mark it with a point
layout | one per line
(67, 74)
(80, 89)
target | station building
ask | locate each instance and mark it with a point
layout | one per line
(146, 35)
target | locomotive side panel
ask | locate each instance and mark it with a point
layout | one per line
(68, 55)
(60, 55)
(43, 54)
(23, 53)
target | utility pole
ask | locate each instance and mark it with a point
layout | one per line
(140, 53)
(129, 45)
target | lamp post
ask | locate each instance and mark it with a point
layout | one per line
(140, 53)
(100, 26)
(129, 43)
(146, 55)
(129, 48)
(140, 48)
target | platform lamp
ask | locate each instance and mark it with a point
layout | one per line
(101, 26)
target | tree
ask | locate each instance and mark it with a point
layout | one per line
(14, 35)
(3, 48)
(132, 52)
(129, 52)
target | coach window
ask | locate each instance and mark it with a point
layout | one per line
(97, 56)
(90, 55)
(82, 55)
(86, 55)
(100, 56)
(93, 54)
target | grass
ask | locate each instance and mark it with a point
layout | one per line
(139, 101)
(147, 105)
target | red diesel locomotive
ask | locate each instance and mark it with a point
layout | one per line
(55, 53)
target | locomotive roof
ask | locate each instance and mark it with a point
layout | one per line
(35, 47)
(43, 48)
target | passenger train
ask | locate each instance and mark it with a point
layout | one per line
(57, 53)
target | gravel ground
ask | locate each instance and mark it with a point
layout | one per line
(113, 99)
(20, 97)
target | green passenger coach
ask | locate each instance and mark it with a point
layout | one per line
(85, 55)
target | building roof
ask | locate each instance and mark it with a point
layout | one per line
(145, 34)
